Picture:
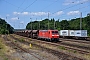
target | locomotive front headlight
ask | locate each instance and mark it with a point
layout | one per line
(57, 35)
(52, 35)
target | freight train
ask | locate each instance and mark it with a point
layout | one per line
(49, 35)
(53, 35)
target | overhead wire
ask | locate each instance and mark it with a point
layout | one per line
(44, 8)
(77, 9)
(29, 5)
(20, 5)
(87, 10)
(19, 8)
(12, 4)
(48, 7)
(65, 8)
(71, 6)
(50, 4)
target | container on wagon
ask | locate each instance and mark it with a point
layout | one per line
(71, 32)
(81, 33)
(63, 32)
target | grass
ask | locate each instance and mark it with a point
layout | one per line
(22, 40)
(2, 47)
(87, 57)
(74, 51)
(2, 50)
(6, 59)
(15, 41)
(62, 47)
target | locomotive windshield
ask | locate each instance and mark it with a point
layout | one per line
(54, 32)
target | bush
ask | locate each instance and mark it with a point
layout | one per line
(3, 31)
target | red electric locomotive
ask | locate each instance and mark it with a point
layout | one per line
(50, 35)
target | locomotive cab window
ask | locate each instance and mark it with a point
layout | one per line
(54, 32)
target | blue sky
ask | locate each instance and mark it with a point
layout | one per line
(20, 12)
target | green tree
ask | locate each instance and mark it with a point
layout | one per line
(73, 24)
(5, 28)
(64, 24)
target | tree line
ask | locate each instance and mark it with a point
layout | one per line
(5, 28)
(73, 24)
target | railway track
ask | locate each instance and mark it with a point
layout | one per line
(55, 44)
(19, 47)
(80, 49)
(75, 45)
(73, 40)
(69, 47)
(66, 46)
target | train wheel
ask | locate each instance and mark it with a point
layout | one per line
(48, 40)
(38, 38)
(76, 38)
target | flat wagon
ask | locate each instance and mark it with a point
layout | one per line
(73, 34)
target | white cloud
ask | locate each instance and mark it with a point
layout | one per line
(15, 18)
(3, 18)
(85, 0)
(73, 13)
(39, 13)
(80, 1)
(31, 13)
(16, 13)
(59, 13)
(25, 13)
(69, 2)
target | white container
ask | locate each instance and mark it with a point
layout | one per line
(71, 33)
(81, 33)
(63, 33)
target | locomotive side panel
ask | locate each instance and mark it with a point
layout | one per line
(43, 34)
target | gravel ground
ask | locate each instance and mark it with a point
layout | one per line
(13, 54)
(26, 56)
(23, 56)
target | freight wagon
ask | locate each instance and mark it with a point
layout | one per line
(73, 34)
